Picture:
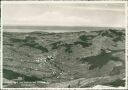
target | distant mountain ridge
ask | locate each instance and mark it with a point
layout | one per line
(67, 28)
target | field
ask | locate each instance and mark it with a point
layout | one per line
(79, 59)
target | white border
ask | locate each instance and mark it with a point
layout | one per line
(39, 2)
(126, 44)
(1, 49)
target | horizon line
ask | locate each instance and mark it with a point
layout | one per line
(59, 26)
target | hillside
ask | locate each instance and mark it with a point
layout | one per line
(54, 58)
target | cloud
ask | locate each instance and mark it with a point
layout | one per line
(63, 15)
(48, 18)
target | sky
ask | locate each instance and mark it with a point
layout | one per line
(64, 14)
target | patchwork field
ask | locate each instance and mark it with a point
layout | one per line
(68, 59)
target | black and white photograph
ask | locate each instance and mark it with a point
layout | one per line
(64, 45)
